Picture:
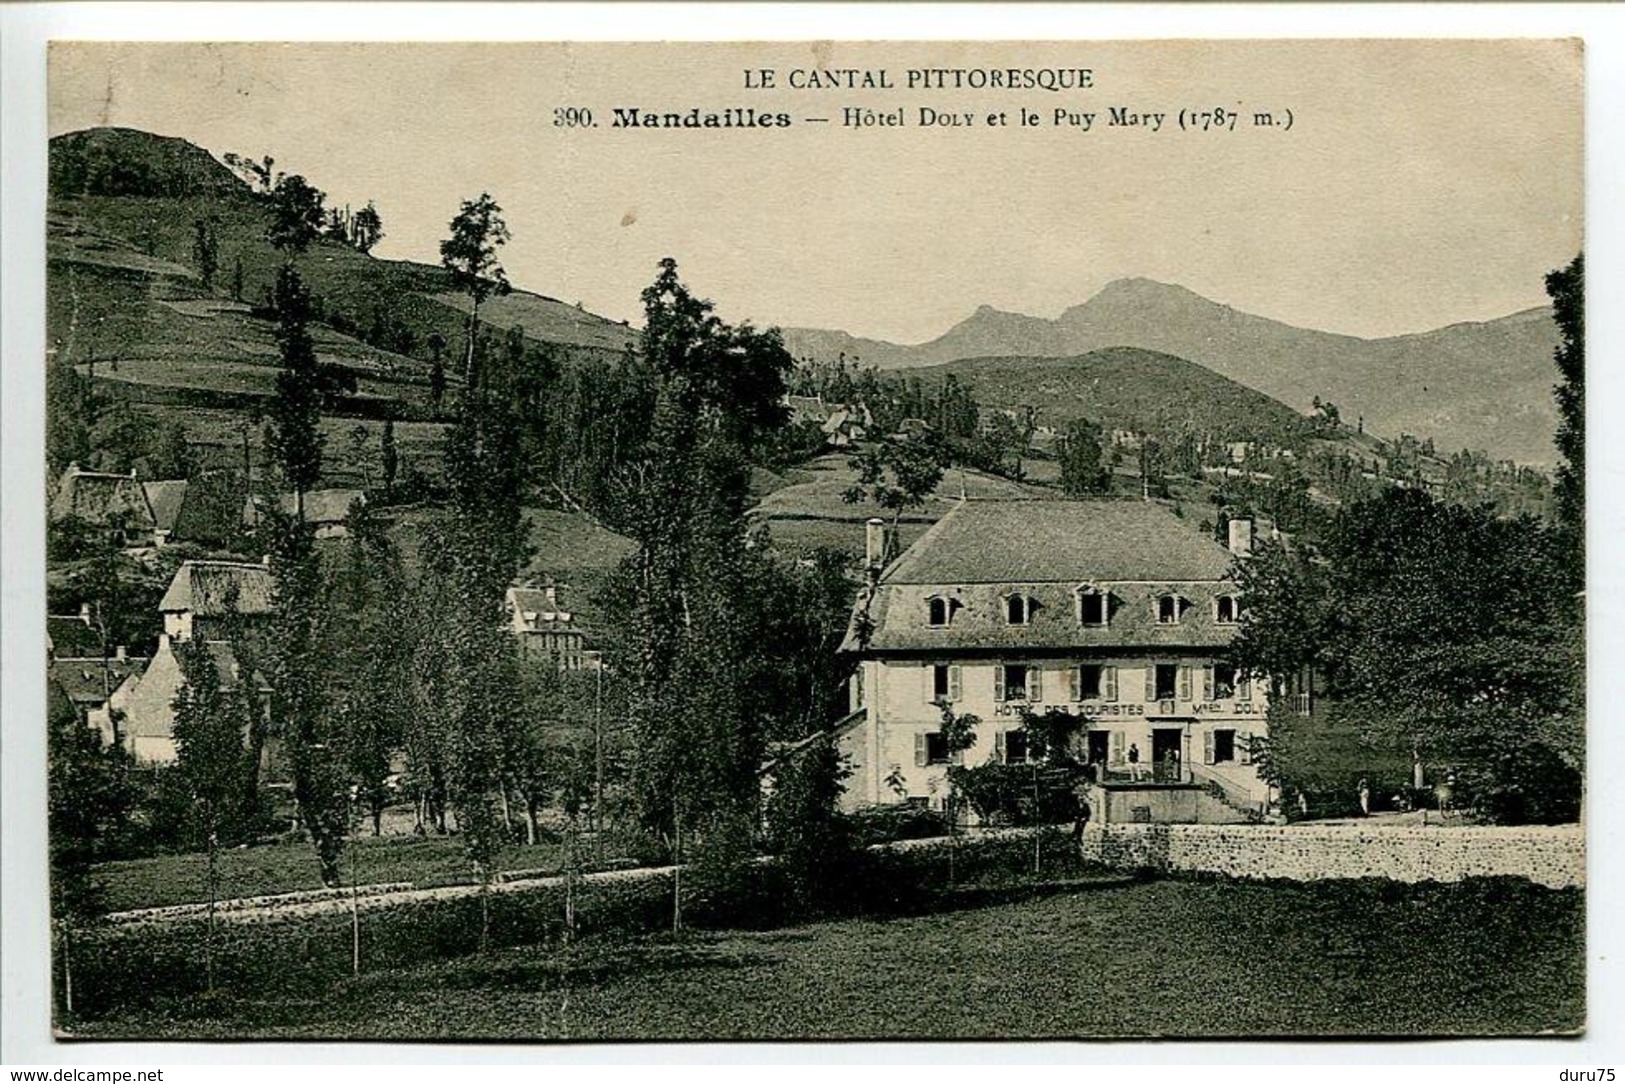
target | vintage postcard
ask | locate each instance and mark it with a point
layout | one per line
(840, 540)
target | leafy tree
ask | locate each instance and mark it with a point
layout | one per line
(206, 250)
(297, 653)
(898, 474)
(696, 718)
(1566, 288)
(174, 457)
(295, 438)
(89, 797)
(297, 215)
(805, 827)
(70, 410)
(211, 761)
(437, 371)
(1434, 627)
(367, 228)
(1083, 470)
(389, 457)
(298, 657)
(470, 254)
(371, 636)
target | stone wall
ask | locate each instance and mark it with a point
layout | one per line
(1551, 856)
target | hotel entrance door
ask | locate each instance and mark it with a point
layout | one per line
(1167, 749)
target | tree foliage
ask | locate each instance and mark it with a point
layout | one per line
(297, 214)
(1083, 469)
(1566, 287)
(1433, 626)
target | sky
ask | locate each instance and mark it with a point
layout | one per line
(1422, 183)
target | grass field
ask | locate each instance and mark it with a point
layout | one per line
(1114, 958)
(291, 867)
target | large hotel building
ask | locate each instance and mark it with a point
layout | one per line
(1118, 612)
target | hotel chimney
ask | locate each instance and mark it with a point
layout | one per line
(1241, 536)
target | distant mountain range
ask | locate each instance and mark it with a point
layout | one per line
(1483, 385)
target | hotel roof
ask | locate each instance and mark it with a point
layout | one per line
(1070, 542)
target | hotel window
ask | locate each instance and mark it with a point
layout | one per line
(1224, 682)
(1092, 608)
(944, 683)
(935, 746)
(1169, 609)
(1013, 746)
(938, 612)
(1224, 746)
(1091, 683)
(1165, 681)
(1016, 681)
(1227, 610)
(1018, 609)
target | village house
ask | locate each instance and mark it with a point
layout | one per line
(113, 504)
(164, 498)
(1116, 612)
(326, 510)
(547, 631)
(207, 601)
(99, 688)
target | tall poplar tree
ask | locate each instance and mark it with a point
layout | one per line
(695, 714)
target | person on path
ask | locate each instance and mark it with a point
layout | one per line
(1081, 813)
(1365, 798)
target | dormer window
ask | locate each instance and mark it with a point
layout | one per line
(1227, 609)
(1170, 608)
(1018, 609)
(1092, 606)
(938, 612)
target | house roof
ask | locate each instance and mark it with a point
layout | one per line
(97, 497)
(982, 552)
(165, 499)
(321, 505)
(204, 587)
(1066, 542)
(85, 683)
(69, 634)
(537, 612)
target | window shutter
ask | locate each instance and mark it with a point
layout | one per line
(957, 756)
(1114, 752)
(998, 683)
(1207, 747)
(1076, 679)
(1207, 686)
(1244, 747)
(998, 746)
(1244, 685)
(1150, 681)
(1184, 683)
(1108, 677)
(928, 683)
(1035, 683)
(954, 679)
(919, 750)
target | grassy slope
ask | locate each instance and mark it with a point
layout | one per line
(1124, 388)
(1152, 958)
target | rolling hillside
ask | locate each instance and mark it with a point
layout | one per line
(1471, 385)
(126, 295)
(1126, 388)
